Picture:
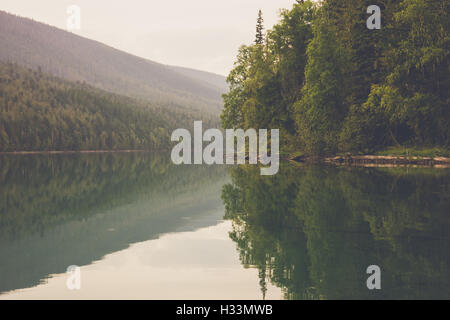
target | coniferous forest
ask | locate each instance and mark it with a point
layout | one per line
(41, 112)
(63, 92)
(332, 85)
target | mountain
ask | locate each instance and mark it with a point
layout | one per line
(212, 79)
(69, 56)
(41, 112)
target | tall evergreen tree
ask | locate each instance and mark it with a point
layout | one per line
(259, 29)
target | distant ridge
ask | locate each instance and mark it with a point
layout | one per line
(66, 55)
(211, 79)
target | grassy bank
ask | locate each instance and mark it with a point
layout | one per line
(415, 152)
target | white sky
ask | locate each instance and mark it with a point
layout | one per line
(200, 34)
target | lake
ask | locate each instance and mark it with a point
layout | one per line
(140, 227)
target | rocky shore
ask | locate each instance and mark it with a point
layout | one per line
(378, 161)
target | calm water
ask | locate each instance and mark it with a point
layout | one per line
(142, 228)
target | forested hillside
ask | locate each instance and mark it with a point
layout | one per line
(41, 112)
(332, 85)
(66, 55)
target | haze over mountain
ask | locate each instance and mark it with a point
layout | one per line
(66, 55)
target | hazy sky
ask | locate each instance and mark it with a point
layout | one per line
(200, 34)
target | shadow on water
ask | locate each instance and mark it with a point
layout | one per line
(314, 230)
(62, 210)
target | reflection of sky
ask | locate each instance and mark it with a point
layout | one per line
(202, 264)
(201, 34)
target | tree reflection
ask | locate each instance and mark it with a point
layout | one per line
(59, 210)
(314, 230)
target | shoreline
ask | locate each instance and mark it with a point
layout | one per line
(71, 152)
(377, 161)
(347, 160)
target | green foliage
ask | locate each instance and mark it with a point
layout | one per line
(40, 112)
(332, 85)
(322, 107)
(266, 79)
(415, 152)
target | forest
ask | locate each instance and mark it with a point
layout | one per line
(333, 86)
(40, 112)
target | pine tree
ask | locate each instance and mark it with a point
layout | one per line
(259, 29)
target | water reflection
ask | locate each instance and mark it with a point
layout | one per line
(201, 264)
(61, 210)
(310, 230)
(313, 230)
